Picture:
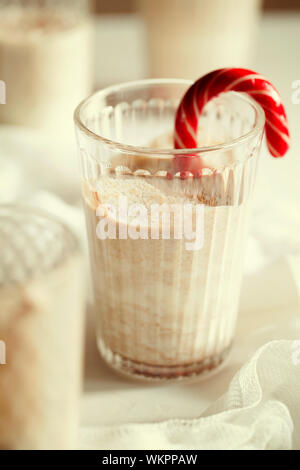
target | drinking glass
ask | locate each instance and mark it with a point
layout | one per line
(45, 61)
(186, 39)
(165, 299)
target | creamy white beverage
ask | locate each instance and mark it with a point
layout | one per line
(46, 64)
(160, 304)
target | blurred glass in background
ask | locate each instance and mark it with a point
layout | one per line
(45, 60)
(187, 39)
(41, 324)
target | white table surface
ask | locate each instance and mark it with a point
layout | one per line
(270, 299)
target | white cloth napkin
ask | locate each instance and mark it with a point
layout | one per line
(260, 410)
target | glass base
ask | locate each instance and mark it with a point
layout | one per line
(155, 373)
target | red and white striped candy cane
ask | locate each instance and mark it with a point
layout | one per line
(232, 79)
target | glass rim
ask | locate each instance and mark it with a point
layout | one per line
(258, 125)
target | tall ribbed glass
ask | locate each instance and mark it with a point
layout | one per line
(166, 249)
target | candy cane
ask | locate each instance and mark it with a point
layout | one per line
(221, 81)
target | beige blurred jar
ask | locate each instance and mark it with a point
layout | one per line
(45, 61)
(187, 38)
(42, 301)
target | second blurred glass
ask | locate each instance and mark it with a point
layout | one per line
(45, 61)
(186, 39)
(41, 331)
